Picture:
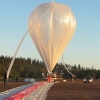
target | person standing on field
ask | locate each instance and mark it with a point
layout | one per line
(5, 78)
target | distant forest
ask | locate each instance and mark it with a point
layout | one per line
(32, 68)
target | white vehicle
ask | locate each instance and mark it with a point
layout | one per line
(88, 79)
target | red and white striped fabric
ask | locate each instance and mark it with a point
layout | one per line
(24, 92)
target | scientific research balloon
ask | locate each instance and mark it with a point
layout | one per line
(52, 25)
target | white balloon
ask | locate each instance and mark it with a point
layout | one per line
(52, 27)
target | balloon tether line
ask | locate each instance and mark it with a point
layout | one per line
(66, 67)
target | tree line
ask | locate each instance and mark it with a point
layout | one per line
(32, 68)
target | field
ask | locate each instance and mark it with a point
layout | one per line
(76, 90)
(11, 85)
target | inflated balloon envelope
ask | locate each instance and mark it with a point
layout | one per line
(52, 25)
